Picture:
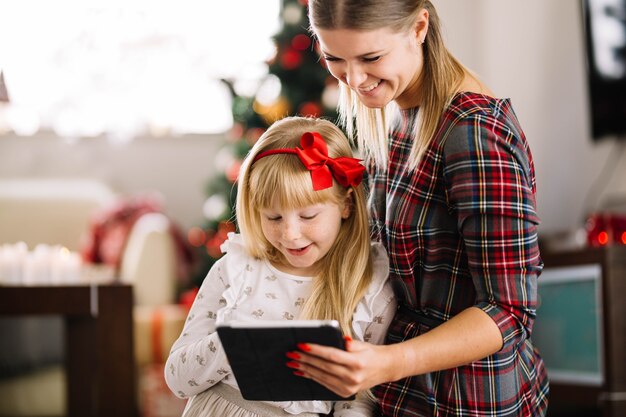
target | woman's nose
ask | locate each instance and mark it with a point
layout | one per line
(355, 76)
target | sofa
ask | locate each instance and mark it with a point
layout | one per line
(61, 212)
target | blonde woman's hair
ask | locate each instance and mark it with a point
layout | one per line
(346, 270)
(440, 79)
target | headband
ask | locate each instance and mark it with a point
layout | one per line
(314, 156)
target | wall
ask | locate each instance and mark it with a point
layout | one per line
(178, 168)
(530, 51)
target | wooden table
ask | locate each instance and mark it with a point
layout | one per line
(100, 367)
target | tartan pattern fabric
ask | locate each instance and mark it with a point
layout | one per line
(461, 231)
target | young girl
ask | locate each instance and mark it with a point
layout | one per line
(304, 252)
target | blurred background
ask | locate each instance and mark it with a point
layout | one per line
(112, 110)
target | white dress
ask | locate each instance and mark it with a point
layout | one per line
(239, 287)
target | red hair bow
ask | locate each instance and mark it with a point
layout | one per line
(314, 156)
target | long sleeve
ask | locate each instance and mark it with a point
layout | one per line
(491, 185)
(197, 360)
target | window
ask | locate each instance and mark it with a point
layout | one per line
(129, 68)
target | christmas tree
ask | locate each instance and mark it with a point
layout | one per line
(297, 84)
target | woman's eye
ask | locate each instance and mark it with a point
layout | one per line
(330, 59)
(372, 59)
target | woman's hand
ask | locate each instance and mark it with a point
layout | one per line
(360, 367)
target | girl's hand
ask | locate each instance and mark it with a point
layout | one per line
(360, 367)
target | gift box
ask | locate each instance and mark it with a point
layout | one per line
(156, 330)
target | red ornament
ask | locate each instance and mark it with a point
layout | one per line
(214, 242)
(196, 236)
(253, 134)
(213, 250)
(233, 171)
(291, 59)
(310, 108)
(224, 228)
(301, 42)
(187, 298)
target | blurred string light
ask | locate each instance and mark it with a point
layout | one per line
(129, 68)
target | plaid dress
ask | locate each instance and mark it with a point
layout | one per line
(461, 231)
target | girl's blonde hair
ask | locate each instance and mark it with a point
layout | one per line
(441, 76)
(282, 179)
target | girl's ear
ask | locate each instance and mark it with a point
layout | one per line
(348, 204)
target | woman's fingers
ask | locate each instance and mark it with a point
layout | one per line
(338, 370)
(329, 360)
(325, 362)
(330, 381)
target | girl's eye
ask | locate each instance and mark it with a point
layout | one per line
(310, 217)
(273, 218)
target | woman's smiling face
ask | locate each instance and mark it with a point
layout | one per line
(378, 65)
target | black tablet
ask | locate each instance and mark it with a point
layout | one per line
(256, 352)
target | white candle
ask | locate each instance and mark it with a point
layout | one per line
(4, 265)
(29, 272)
(73, 266)
(21, 251)
(42, 258)
(11, 269)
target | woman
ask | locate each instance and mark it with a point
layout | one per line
(452, 195)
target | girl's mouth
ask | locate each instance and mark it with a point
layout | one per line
(299, 251)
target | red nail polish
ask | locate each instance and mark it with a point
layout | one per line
(299, 373)
(304, 347)
(292, 364)
(347, 338)
(292, 355)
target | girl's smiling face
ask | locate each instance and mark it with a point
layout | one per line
(303, 235)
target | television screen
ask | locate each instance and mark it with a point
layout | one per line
(604, 23)
(568, 329)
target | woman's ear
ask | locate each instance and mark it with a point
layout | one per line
(348, 204)
(421, 26)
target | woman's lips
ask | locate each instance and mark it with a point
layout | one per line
(369, 87)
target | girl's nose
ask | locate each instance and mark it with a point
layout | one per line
(291, 231)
